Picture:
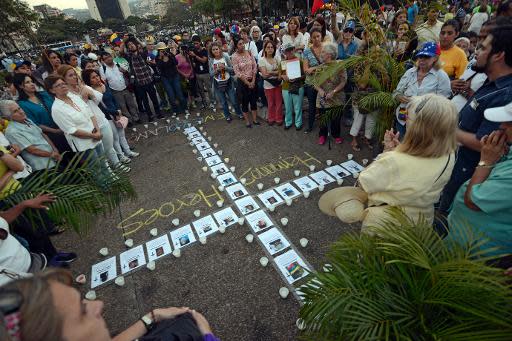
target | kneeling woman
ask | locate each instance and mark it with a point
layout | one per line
(50, 298)
(409, 175)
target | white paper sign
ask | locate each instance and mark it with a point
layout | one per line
(213, 160)
(246, 205)
(292, 266)
(198, 140)
(270, 198)
(274, 241)
(132, 259)
(226, 217)
(236, 191)
(207, 152)
(227, 179)
(293, 69)
(337, 172)
(182, 237)
(306, 184)
(189, 130)
(352, 166)
(158, 247)
(287, 191)
(322, 178)
(205, 226)
(194, 135)
(219, 169)
(103, 272)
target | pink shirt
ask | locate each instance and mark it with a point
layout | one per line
(183, 65)
(244, 65)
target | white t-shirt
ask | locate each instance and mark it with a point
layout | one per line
(263, 62)
(69, 120)
(298, 41)
(114, 77)
(476, 83)
(223, 76)
(93, 104)
(13, 256)
(477, 20)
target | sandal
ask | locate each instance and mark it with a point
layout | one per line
(355, 147)
(367, 143)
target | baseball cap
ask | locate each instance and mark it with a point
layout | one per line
(351, 25)
(429, 49)
(499, 114)
(19, 63)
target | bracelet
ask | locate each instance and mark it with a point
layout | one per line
(486, 166)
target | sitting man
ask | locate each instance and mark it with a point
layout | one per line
(36, 148)
(483, 203)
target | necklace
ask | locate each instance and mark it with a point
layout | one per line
(71, 103)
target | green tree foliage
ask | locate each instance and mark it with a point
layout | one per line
(406, 283)
(59, 28)
(92, 25)
(16, 18)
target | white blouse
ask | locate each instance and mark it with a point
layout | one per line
(69, 120)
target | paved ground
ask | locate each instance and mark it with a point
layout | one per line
(223, 279)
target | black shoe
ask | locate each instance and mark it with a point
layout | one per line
(287, 127)
(151, 118)
(298, 128)
(63, 258)
(256, 123)
(308, 130)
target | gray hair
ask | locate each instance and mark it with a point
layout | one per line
(5, 107)
(331, 49)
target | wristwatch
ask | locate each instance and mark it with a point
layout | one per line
(148, 320)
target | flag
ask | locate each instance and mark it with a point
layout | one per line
(317, 4)
(115, 39)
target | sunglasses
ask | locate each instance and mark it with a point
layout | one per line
(347, 30)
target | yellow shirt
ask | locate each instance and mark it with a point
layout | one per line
(454, 61)
(409, 182)
(12, 185)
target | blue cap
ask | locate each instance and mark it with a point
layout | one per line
(19, 63)
(350, 25)
(429, 49)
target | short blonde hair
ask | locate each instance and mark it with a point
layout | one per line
(431, 126)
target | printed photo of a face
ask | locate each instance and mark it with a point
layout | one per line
(159, 251)
(249, 207)
(288, 192)
(104, 276)
(272, 200)
(221, 171)
(207, 228)
(276, 245)
(228, 181)
(133, 264)
(261, 223)
(228, 220)
(238, 193)
(184, 240)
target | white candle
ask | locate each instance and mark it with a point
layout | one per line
(128, 242)
(296, 172)
(201, 128)
(277, 180)
(90, 295)
(260, 186)
(134, 129)
(284, 292)
(232, 168)
(284, 221)
(303, 242)
(198, 114)
(146, 126)
(213, 175)
(288, 202)
(328, 162)
(215, 145)
(153, 232)
(226, 159)
(155, 123)
(272, 208)
(321, 188)
(220, 203)
(209, 138)
(202, 240)
(306, 194)
(355, 175)
(205, 169)
(151, 265)
(120, 281)
(176, 253)
(350, 156)
(168, 120)
(264, 261)
(194, 151)
(312, 168)
(104, 251)
(221, 188)
(220, 152)
(243, 181)
(176, 222)
(222, 229)
(249, 238)
(339, 181)
(197, 213)
(365, 162)
(241, 220)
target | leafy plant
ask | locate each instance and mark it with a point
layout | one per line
(83, 192)
(406, 283)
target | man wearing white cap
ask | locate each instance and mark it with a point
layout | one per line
(483, 203)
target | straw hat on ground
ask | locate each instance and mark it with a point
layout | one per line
(346, 203)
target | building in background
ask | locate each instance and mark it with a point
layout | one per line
(46, 11)
(159, 7)
(105, 9)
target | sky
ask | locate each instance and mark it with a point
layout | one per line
(61, 4)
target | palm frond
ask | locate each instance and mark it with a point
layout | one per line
(405, 282)
(83, 192)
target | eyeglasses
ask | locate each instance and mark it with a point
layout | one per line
(59, 85)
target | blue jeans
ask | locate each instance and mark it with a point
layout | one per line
(223, 96)
(293, 103)
(172, 87)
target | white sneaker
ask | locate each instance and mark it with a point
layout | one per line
(133, 154)
(125, 159)
(125, 169)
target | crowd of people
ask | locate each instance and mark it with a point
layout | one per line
(446, 155)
